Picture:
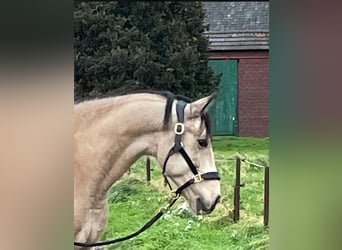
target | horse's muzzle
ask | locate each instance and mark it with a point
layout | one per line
(203, 208)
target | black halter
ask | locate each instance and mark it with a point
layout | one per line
(178, 148)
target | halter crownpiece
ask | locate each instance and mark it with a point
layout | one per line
(178, 148)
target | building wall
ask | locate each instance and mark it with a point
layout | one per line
(253, 90)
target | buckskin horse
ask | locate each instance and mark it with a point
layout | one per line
(110, 134)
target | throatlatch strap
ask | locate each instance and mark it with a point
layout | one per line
(178, 138)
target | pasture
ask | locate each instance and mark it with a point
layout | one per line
(132, 202)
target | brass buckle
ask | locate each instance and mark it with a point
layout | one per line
(177, 125)
(173, 194)
(164, 209)
(198, 178)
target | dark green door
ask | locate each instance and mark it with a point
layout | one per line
(224, 109)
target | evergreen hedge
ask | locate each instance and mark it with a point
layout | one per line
(124, 46)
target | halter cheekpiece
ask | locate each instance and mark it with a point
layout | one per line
(178, 148)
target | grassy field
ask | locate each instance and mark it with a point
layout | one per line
(133, 202)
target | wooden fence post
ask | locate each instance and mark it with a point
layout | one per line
(237, 190)
(148, 170)
(238, 185)
(266, 195)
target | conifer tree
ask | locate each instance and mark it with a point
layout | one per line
(125, 45)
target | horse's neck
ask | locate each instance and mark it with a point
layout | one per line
(118, 134)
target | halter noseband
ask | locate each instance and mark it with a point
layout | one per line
(178, 148)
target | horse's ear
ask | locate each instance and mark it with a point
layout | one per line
(197, 107)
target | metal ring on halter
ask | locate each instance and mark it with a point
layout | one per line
(181, 126)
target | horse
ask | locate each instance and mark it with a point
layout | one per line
(110, 134)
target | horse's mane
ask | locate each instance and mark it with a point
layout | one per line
(170, 98)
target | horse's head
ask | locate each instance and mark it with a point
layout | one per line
(186, 154)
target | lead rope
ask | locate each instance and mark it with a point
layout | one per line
(142, 229)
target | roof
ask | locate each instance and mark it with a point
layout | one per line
(237, 25)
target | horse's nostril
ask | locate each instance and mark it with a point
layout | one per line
(205, 208)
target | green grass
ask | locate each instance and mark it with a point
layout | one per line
(133, 202)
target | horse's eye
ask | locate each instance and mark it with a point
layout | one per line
(203, 142)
